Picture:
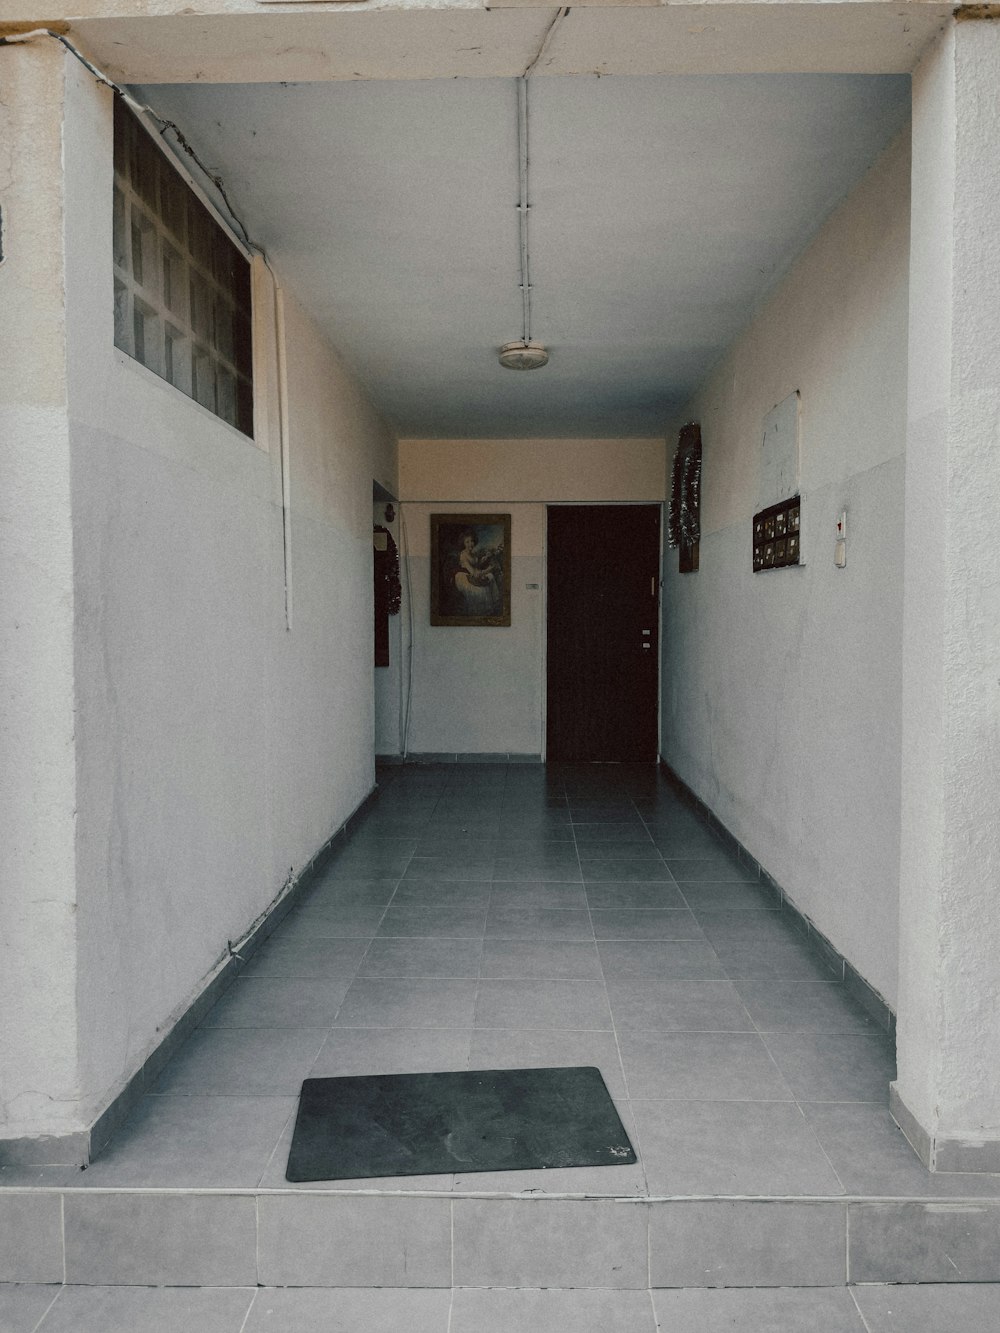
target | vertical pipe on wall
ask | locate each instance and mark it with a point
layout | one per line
(286, 496)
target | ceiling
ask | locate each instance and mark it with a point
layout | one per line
(663, 210)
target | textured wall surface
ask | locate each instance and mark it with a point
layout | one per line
(781, 690)
(37, 780)
(215, 748)
(950, 962)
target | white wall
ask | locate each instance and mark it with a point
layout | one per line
(215, 749)
(781, 690)
(37, 779)
(482, 690)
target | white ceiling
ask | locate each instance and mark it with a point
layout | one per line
(664, 208)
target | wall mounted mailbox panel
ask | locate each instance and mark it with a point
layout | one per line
(776, 532)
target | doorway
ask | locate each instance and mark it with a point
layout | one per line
(603, 574)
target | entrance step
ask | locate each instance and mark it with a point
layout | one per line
(378, 1239)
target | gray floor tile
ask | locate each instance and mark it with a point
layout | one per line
(444, 921)
(541, 960)
(682, 1006)
(278, 1002)
(450, 867)
(131, 1238)
(22, 1306)
(640, 894)
(930, 1308)
(332, 896)
(552, 828)
(666, 960)
(415, 1003)
(385, 1310)
(742, 1243)
(423, 958)
(242, 1061)
(777, 1310)
(684, 844)
(712, 870)
(621, 870)
(311, 958)
(539, 923)
(704, 896)
(93, 1309)
(564, 870)
(321, 1240)
(367, 863)
(478, 1310)
(752, 1148)
(538, 893)
(31, 1238)
(498, 1048)
(637, 852)
(834, 1067)
(610, 834)
(788, 961)
(909, 1241)
(645, 924)
(348, 922)
(351, 1051)
(803, 1006)
(612, 1182)
(192, 1142)
(443, 893)
(756, 928)
(549, 1243)
(871, 1156)
(543, 1004)
(706, 1066)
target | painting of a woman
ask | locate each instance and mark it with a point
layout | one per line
(470, 563)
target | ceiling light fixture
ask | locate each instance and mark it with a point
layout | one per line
(523, 353)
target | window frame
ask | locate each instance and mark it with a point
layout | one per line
(183, 283)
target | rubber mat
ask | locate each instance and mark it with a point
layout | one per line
(476, 1120)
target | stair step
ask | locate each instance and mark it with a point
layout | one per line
(318, 1238)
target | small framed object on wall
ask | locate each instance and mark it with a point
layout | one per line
(470, 569)
(777, 535)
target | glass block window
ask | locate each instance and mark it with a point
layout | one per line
(182, 288)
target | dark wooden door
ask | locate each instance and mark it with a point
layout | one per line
(603, 639)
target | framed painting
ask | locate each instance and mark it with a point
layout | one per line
(470, 569)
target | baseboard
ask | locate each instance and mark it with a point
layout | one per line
(938, 1152)
(450, 757)
(80, 1147)
(865, 994)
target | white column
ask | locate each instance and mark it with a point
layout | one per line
(38, 975)
(947, 1096)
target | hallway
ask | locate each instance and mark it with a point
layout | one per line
(488, 916)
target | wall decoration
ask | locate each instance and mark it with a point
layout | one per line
(470, 569)
(684, 518)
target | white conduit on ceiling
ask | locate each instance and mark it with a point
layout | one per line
(524, 203)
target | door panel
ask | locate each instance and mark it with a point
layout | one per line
(603, 640)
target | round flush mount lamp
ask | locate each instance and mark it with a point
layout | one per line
(523, 355)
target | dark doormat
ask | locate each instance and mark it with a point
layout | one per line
(477, 1120)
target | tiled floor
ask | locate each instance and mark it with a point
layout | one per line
(954, 1308)
(504, 916)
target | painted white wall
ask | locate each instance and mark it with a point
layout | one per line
(215, 749)
(949, 1042)
(37, 778)
(781, 690)
(482, 690)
